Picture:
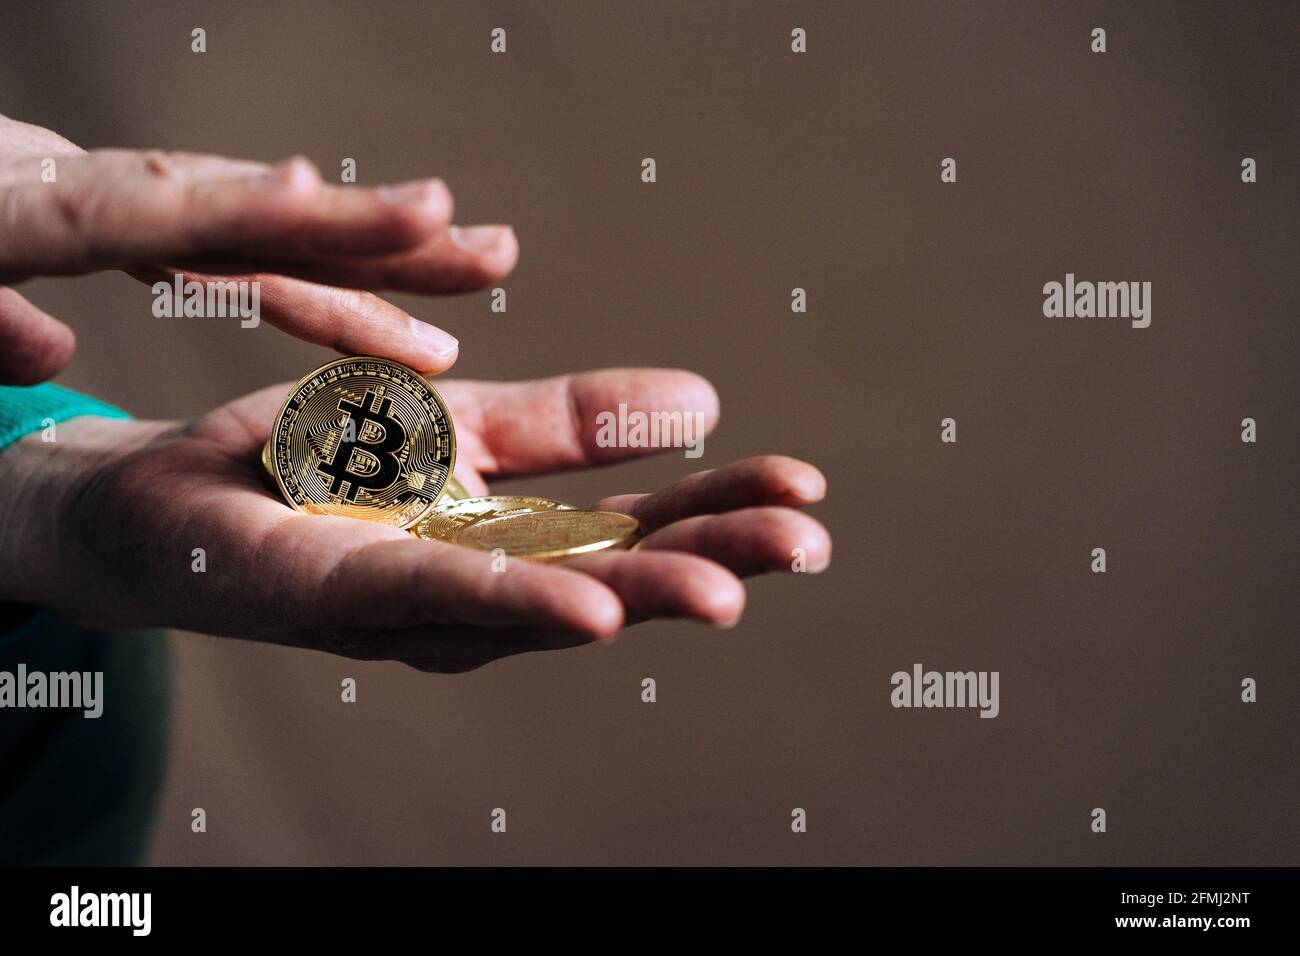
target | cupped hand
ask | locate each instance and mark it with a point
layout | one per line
(140, 499)
(317, 251)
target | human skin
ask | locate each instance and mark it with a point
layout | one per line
(100, 525)
(318, 251)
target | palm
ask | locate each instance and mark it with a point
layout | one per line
(371, 591)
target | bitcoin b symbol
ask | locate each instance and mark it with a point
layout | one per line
(375, 466)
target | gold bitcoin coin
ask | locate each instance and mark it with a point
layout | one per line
(551, 535)
(453, 490)
(450, 519)
(363, 438)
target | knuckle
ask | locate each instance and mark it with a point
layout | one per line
(362, 306)
(157, 163)
(353, 310)
(72, 207)
(189, 213)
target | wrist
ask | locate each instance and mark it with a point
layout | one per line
(41, 481)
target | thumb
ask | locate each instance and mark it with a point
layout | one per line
(34, 345)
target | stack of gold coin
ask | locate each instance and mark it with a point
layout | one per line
(448, 521)
(552, 535)
(370, 438)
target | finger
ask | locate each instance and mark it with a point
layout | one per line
(667, 584)
(200, 166)
(347, 320)
(111, 208)
(386, 583)
(651, 585)
(34, 345)
(463, 259)
(751, 482)
(751, 541)
(516, 428)
(456, 260)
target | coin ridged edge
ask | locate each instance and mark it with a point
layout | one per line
(596, 547)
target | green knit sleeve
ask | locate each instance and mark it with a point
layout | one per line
(24, 410)
(28, 409)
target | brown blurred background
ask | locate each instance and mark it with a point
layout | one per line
(779, 170)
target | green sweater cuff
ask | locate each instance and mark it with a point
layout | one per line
(25, 410)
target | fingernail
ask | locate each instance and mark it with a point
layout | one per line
(478, 238)
(415, 193)
(433, 339)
